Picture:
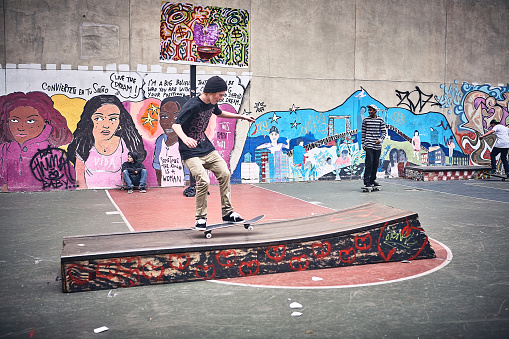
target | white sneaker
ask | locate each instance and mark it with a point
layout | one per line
(201, 224)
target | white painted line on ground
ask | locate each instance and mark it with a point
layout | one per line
(487, 186)
(455, 194)
(119, 211)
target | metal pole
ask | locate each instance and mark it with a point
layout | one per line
(192, 181)
(193, 81)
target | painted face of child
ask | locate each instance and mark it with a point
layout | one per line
(106, 121)
(25, 123)
(402, 156)
(394, 157)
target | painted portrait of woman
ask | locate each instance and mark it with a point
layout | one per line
(104, 136)
(29, 125)
(167, 162)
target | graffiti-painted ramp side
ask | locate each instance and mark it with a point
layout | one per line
(366, 234)
(441, 173)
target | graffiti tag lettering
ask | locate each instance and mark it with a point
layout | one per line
(51, 167)
(415, 99)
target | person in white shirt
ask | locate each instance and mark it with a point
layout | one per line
(501, 145)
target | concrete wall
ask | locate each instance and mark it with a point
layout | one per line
(308, 60)
(299, 46)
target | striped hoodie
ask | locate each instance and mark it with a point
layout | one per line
(372, 130)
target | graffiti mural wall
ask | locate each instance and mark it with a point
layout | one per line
(72, 129)
(424, 129)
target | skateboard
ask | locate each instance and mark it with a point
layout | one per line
(246, 223)
(487, 175)
(370, 189)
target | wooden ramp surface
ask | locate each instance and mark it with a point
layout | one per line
(346, 221)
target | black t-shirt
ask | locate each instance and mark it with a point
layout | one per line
(194, 118)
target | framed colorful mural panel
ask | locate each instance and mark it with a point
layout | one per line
(192, 34)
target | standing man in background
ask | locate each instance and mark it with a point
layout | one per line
(501, 145)
(373, 134)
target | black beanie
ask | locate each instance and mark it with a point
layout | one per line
(214, 85)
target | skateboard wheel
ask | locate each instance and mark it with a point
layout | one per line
(250, 228)
(208, 235)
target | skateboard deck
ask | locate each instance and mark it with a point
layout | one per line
(370, 189)
(246, 223)
(487, 175)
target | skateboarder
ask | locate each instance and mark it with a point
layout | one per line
(134, 173)
(198, 153)
(501, 145)
(373, 134)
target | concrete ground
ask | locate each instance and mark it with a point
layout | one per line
(469, 298)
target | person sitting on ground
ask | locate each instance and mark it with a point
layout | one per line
(134, 173)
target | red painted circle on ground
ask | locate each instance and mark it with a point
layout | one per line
(351, 276)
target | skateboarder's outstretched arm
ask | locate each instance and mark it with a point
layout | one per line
(229, 115)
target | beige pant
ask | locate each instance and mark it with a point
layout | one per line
(216, 164)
